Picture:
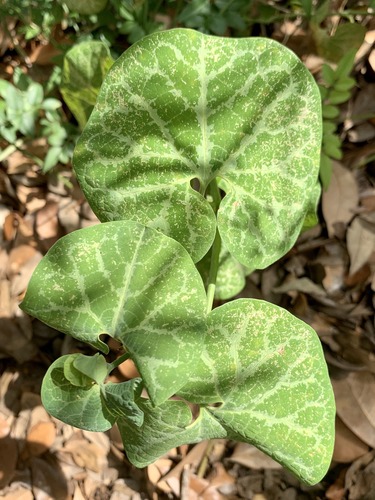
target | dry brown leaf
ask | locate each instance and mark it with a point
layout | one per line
(360, 478)
(48, 483)
(249, 456)
(128, 369)
(171, 481)
(361, 243)
(40, 438)
(18, 493)
(8, 459)
(47, 225)
(44, 53)
(341, 199)
(86, 455)
(304, 285)
(21, 280)
(32, 197)
(355, 404)
(18, 257)
(348, 447)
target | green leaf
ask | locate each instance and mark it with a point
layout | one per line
(119, 399)
(328, 74)
(180, 105)
(133, 283)
(76, 405)
(267, 370)
(85, 66)
(345, 65)
(325, 173)
(338, 97)
(332, 146)
(94, 367)
(345, 83)
(330, 112)
(51, 159)
(86, 7)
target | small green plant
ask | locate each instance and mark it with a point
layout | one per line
(196, 144)
(25, 113)
(335, 89)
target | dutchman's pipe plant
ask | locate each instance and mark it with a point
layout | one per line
(198, 148)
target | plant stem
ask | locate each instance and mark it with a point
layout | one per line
(216, 247)
(117, 362)
(10, 149)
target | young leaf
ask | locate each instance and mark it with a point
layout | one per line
(85, 66)
(132, 283)
(267, 369)
(74, 376)
(92, 366)
(180, 105)
(76, 405)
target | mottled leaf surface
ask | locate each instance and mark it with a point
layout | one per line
(267, 370)
(165, 427)
(180, 105)
(85, 66)
(133, 283)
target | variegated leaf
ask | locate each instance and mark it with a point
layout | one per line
(180, 105)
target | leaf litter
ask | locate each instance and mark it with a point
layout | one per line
(327, 279)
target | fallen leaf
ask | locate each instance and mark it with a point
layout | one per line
(341, 198)
(355, 404)
(360, 478)
(304, 285)
(48, 481)
(8, 459)
(86, 455)
(361, 243)
(47, 225)
(249, 456)
(40, 438)
(348, 447)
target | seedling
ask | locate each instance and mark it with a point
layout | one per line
(240, 121)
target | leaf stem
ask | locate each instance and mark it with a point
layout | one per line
(213, 190)
(117, 362)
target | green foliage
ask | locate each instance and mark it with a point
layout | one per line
(215, 17)
(178, 109)
(85, 66)
(335, 89)
(25, 112)
(37, 17)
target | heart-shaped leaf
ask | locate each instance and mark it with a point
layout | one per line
(180, 105)
(132, 283)
(267, 371)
